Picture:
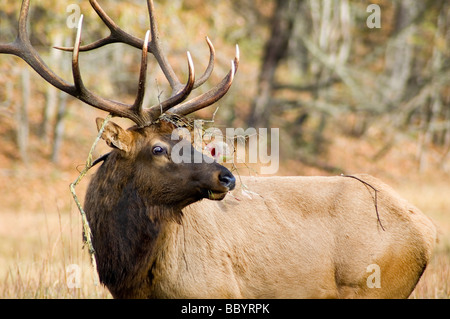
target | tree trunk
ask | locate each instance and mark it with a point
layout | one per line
(61, 103)
(51, 95)
(59, 127)
(400, 55)
(274, 51)
(22, 116)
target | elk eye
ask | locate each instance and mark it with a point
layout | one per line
(158, 150)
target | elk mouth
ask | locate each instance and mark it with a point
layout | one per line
(217, 194)
(214, 195)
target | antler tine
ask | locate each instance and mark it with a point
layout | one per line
(116, 33)
(156, 50)
(134, 111)
(158, 109)
(76, 73)
(209, 68)
(137, 106)
(212, 95)
(160, 57)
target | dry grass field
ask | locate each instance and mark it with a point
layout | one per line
(38, 247)
(433, 198)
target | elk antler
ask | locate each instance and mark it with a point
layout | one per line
(22, 48)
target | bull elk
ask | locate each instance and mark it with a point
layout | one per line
(168, 230)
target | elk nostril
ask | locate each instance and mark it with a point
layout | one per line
(227, 179)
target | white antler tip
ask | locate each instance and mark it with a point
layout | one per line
(189, 57)
(80, 22)
(147, 36)
(190, 62)
(233, 69)
(76, 47)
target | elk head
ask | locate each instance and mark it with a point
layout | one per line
(143, 159)
(146, 147)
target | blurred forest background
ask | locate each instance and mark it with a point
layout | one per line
(307, 67)
(346, 97)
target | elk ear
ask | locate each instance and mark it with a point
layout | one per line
(114, 135)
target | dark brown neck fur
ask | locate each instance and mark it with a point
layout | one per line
(124, 226)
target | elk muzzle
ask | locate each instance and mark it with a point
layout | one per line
(224, 181)
(227, 179)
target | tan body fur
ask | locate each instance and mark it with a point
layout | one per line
(300, 237)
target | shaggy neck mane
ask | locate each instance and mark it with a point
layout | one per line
(124, 225)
